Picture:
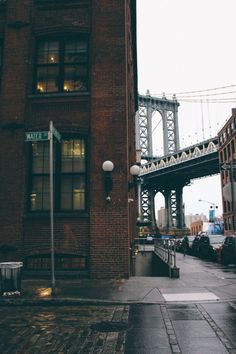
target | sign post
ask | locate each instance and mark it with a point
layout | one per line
(45, 136)
(52, 132)
(52, 207)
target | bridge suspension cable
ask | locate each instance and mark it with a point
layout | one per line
(220, 100)
(204, 95)
(194, 91)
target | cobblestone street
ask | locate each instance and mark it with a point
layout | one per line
(133, 329)
(194, 314)
(80, 329)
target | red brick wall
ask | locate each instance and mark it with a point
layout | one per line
(105, 116)
(14, 80)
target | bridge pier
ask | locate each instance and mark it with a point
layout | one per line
(174, 207)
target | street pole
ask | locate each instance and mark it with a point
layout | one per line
(53, 289)
(139, 198)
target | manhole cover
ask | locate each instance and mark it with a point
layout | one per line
(109, 326)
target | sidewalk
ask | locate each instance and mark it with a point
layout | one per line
(199, 281)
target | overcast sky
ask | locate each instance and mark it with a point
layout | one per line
(185, 46)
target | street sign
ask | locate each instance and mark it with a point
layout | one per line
(36, 136)
(228, 165)
(56, 134)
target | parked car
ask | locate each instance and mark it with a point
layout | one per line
(178, 244)
(210, 246)
(228, 255)
(195, 246)
(185, 242)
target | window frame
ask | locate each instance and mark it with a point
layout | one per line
(61, 40)
(58, 177)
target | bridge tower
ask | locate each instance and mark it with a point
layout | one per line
(168, 110)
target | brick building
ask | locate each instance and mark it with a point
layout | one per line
(227, 151)
(72, 62)
(196, 227)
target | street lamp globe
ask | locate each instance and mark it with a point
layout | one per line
(134, 170)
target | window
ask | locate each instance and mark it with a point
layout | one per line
(62, 262)
(62, 65)
(228, 151)
(232, 127)
(221, 156)
(232, 147)
(69, 176)
(225, 154)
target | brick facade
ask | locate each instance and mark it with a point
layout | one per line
(196, 227)
(104, 115)
(227, 157)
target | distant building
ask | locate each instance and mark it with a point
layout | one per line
(211, 228)
(192, 218)
(161, 217)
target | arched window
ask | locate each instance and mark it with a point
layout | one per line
(62, 65)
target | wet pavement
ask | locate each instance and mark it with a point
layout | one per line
(59, 329)
(195, 314)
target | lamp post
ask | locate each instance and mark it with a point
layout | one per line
(213, 206)
(108, 167)
(134, 171)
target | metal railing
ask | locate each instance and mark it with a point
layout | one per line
(166, 250)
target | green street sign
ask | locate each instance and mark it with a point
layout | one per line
(56, 134)
(36, 136)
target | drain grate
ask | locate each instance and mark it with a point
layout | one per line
(107, 326)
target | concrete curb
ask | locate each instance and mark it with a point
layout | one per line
(98, 302)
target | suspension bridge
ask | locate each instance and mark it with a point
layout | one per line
(170, 173)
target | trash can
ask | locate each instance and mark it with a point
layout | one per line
(10, 278)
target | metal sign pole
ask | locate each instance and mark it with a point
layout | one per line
(52, 209)
(44, 136)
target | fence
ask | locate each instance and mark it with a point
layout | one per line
(166, 250)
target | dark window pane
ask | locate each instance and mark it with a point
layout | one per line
(47, 79)
(48, 53)
(75, 51)
(75, 78)
(40, 195)
(40, 157)
(73, 192)
(66, 192)
(79, 193)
